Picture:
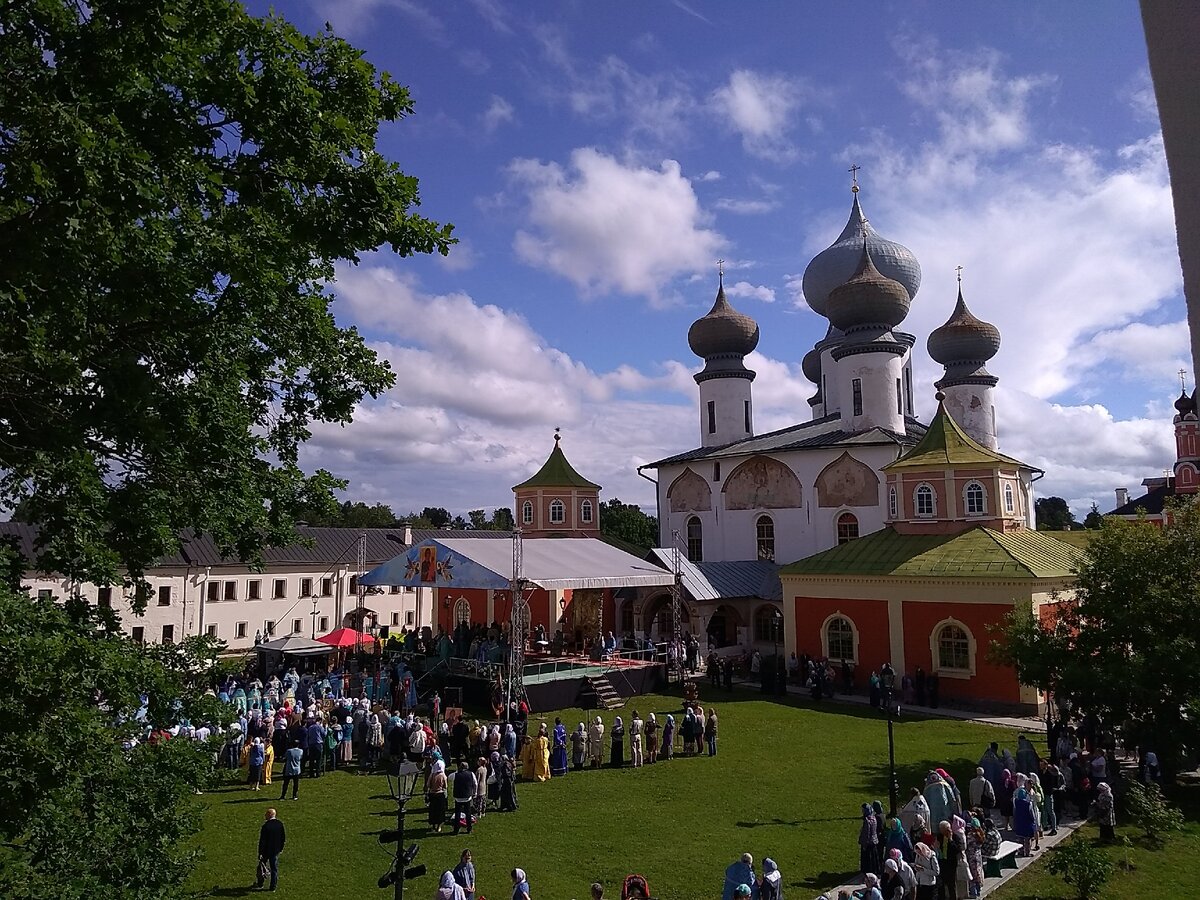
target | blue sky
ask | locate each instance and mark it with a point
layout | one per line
(597, 158)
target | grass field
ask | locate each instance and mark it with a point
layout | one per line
(787, 783)
(1153, 873)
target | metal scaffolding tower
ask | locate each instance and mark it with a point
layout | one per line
(518, 627)
(360, 590)
(676, 670)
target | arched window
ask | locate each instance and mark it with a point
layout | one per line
(839, 639)
(527, 512)
(766, 538)
(768, 624)
(585, 511)
(893, 505)
(462, 611)
(974, 499)
(925, 501)
(953, 648)
(695, 539)
(557, 512)
(1010, 504)
(847, 527)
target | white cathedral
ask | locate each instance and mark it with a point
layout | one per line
(785, 495)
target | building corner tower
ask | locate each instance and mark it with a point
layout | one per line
(723, 338)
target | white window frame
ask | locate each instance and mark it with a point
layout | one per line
(395, 619)
(558, 512)
(410, 618)
(254, 589)
(324, 624)
(276, 594)
(687, 536)
(306, 587)
(893, 503)
(241, 630)
(462, 611)
(527, 512)
(923, 486)
(837, 526)
(935, 654)
(825, 637)
(970, 513)
(585, 511)
(297, 626)
(1010, 500)
(760, 541)
(210, 630)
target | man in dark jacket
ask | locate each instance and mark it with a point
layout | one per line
(465, 786)
(271, 839)
(314, 748)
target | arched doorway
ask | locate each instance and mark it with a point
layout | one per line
(723, 626)
(656, 618)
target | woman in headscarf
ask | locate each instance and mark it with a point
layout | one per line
(558, 753)
(975, 838)
(891, 885)
(1034, 785)
(952, 853)
(508, 785)
(868, 841)
(897, 839)
(1104, 812)
(652, 738)
(921, 834)
(926, 870)
(481, 791)
(541, 754)
(435, 795)
(616, 757)
(493, 779)
(688, 730)
(493, 741)
(871, 889)
(880, 835)
(578, 747)
(770, 886)
(962, 871)
(449, 889)
(509, 746)
(668, 739)
(635, 740)
(527, 758)
(1008, 785)
(520, 885)
(255, 764)
(946, 777)
(345, 747)
(1024, 825)
(374, 740)
(907, 876)
(916, 806)
(596, 742)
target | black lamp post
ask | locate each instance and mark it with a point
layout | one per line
(405, 775)
(888, 680)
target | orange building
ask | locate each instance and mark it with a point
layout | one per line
(955, 556)
(557, 501)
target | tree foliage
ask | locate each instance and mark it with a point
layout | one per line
(1151, 812)
(355, 514)
(1094, 519)
(627, 522)
(1126, 647)
(437, 516)
(1082, 865)
(1053, 514)
(178, 180)
(80, 815)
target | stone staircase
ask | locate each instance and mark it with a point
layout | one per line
(598, 693)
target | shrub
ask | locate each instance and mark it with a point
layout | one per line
(1151, 812)
(1081, 865)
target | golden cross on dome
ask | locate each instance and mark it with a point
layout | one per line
(853, 170)
(1182, 383)
(721, 270)
(958, 269)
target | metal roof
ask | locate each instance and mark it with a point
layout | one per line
(724, 580)
(976, 553)
(946, 444)
(814, 435)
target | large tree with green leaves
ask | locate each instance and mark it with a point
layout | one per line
(1053, 514)
(627, 522)
(1126, 646)
(178, 181)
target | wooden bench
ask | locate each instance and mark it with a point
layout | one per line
(1004, 858)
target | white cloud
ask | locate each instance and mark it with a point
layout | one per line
(760, 107)
(499, 112)
(352, 17)
(710, 175)
(754, 291)
(462, 256)
(494, 13)
(745, 207)
(606, 226)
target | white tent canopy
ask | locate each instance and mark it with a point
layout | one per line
(295, 645)
(556, 563)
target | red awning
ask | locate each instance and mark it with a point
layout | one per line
(346, 637)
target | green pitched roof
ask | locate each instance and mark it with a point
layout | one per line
(557, 472)
(945, 444)
(977, 553)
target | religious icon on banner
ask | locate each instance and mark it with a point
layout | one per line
(429, 564)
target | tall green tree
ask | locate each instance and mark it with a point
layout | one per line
(627, 522)
(1126, 645)
(1053, 514)
(502, 519)
(437, 516)
(1094, 519)
(178, 180)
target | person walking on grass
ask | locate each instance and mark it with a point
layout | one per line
(257, 757)
(596, 742)
(520, 885)
(292, 760)
(710, 732)
(271, 838)
(668, 738)
(635, 740)
(617, 756)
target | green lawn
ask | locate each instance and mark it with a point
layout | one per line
(787, 783)
(1154, 873)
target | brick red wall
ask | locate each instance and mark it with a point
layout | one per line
(870, 617)
(991, 681)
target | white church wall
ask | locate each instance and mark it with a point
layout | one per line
(729, 397)
(878, 375)
(973, 407)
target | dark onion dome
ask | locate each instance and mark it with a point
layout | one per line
(839, 261)
(723, 331)
(868, 299)
(1184, 405)
(963, 338)
(811, 366)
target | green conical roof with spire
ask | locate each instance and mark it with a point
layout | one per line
(946, 444)
(557, 472)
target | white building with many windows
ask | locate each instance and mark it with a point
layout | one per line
(308, 589)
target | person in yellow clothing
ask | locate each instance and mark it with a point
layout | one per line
(527, 766)
(268, 762)
(541, 755)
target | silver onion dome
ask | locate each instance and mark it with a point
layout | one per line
(964, 338)
(868, 298)
(723, 331)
